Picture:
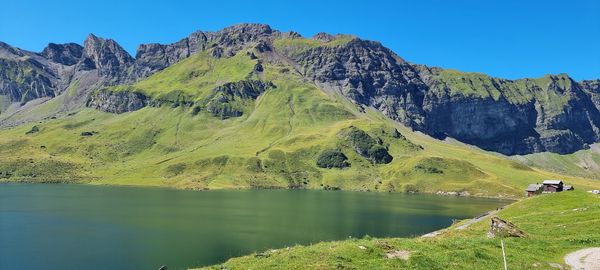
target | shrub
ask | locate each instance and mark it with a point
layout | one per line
(367, 146)
(428, 169)
(254, 164)
(379, 155)
(360, 140)
(332, 158)
(410, 188)
(34, 129)
(175, 169)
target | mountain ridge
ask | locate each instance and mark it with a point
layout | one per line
(553, 113)
(258, 108)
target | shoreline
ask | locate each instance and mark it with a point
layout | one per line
(436, 193)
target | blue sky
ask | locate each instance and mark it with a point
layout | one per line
(511, 39)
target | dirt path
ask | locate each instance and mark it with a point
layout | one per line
(465, 225)
(584, 259)
(477, 219)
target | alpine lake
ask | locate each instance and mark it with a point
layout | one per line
(69, 226)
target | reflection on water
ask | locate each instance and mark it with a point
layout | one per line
(101, 227)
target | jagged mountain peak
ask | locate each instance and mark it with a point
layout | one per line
(66, 54)
(94, 46)
(250, 29)
(322, 36)
(108, 56)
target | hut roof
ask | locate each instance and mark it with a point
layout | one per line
(552, 182)
(533, 187)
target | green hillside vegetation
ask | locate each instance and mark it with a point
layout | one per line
(204, 133)
(193, 78)
(552, 90)
(554, 225)
(584, 163)
(296, 45)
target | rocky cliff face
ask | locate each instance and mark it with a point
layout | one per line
(154, 57)
(67, 54)
(117, 102)
(23, 77)
(553, 113)
(225, 101)
(101, 62)
(513, 117)
(369, 74)
(109, 58)
(230, 99)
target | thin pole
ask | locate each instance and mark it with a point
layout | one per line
(503, 254)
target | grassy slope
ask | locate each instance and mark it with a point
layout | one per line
(584, 162)
(555, 224)
(274, 144)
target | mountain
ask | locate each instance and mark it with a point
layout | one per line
(249, 106)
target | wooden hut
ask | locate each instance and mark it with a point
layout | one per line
(534, 189)
(553, 186)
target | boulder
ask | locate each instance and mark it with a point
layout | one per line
(504, 228)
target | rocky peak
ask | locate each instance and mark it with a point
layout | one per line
(7, 51)
(324, 37)
(235, 37)
(154, 57)
(66, 54)
(591, 85)
(367, 73)
(108, 56)
(246, 31)
(361, 68)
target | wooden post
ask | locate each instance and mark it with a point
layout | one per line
(503, 254)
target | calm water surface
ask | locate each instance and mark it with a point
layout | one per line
(100, 227)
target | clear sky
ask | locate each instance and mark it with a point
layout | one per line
(511, 39)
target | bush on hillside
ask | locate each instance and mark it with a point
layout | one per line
(332, 158)
(367, 146)
(34, 129)
(379, 155)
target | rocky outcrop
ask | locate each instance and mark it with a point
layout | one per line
(324, 37)
(22, 81)
(230, 99)
(9, 52)
(109, 58)
(227, 100)
(504, 228)
(153, 57)
(117, 101)
(67, 54)
(365, 145)
(369, 74)
(332, 158)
